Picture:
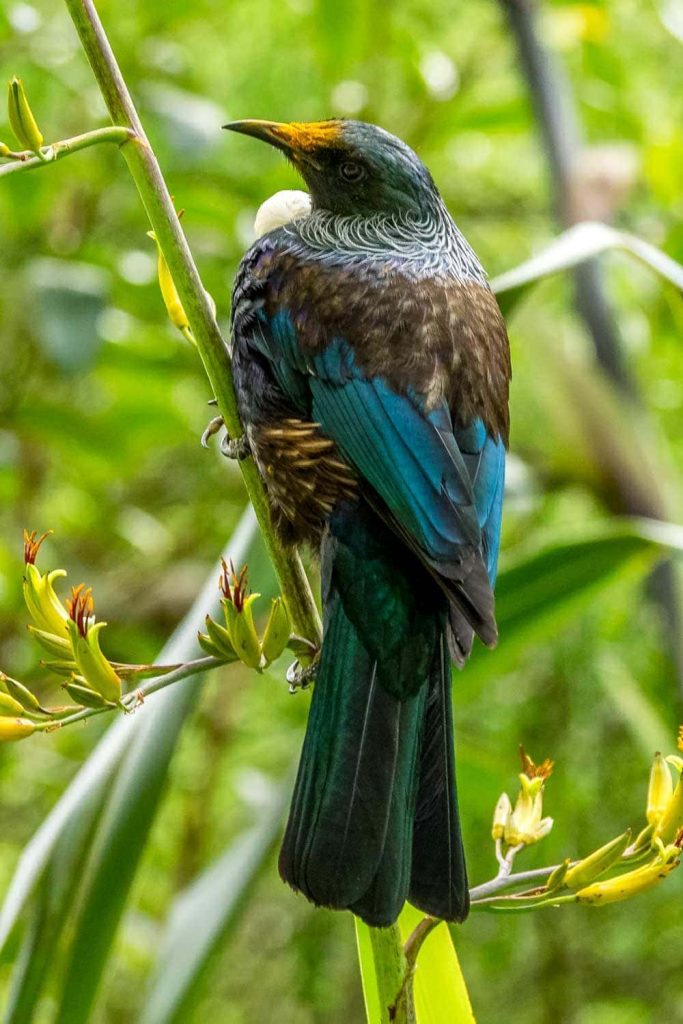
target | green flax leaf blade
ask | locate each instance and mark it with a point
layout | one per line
(576, 245)
(97, 797)
(203, 915)
(440, 992)
(542, 592)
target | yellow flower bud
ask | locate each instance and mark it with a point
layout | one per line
(501, 817)
(169, 293)
(15, 729)
(21, 117)
(633, 882)
(9, 706)
(597, 863)
(659, 790)
(92, 664)
(525, 819)
(98, 673)
(671, 820)
(174, 306)
(239, 615)
(45, 608)
(558, 876)
(4, 150)
(277, 631)
(242, 632)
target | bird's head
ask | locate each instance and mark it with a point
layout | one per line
(350, 167)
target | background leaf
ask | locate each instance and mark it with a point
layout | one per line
(203, 914)
(576, 245)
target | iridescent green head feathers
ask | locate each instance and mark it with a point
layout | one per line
(350, 167)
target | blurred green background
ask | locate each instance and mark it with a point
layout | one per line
(102, 405)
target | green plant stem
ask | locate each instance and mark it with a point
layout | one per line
(296, 590)
(144, 168)
(58, 150)
(394, 976)
(131, 700)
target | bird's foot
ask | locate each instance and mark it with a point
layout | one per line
(233, 448)
(301, 676)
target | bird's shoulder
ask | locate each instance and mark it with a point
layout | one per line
(436, 335)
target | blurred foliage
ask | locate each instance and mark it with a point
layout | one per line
(102, 404)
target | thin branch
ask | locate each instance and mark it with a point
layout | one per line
(58, 150)
(132, 700)
(502, 881)
(146, 173)
(416, 939)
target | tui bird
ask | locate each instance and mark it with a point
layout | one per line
(372, 368)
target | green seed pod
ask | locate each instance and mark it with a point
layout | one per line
(60, 668)
(57, 646)
(558, 876)
(220, 639)
(277, 631)
(643, 839)
(86, 697)
(21, 693)
(21, 117)
(207, 646)
(597, 863)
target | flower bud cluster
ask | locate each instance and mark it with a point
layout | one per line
(238, 639)
(620, 869)
(69, 634)
(524, 824)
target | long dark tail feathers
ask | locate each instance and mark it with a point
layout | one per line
(438, 883)
(357, 765)
(374, 817)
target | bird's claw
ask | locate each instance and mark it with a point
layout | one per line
(211, 428)
(233, 448)
(301, 676)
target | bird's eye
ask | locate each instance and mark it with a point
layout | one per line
(351, 171)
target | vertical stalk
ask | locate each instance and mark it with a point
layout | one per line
(146, 173)
(144, 168)
(386, 975)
